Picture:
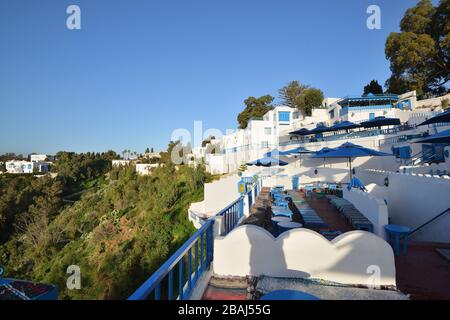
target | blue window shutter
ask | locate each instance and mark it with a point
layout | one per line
(284, 116)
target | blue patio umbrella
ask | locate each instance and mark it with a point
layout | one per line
(298, 150)
(441, 137)
(300, 132)
(345, 125)
(442, 117)
(318, 154)
(380, 122)
(319, 129)
(349, 150)
(267, 162)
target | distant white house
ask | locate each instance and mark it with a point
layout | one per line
(38, 157)
(150, 155)
(22, 166)
(120, 163)
(144, 169)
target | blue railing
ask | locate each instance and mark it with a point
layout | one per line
(192, 259)
(352, 135)
(346, 109)
(232, 214)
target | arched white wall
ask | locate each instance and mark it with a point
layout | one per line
(251, 250)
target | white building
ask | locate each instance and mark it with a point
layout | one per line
(120, 163)
(259, 137)
(144, 169)
(151, 155)
(38, 157)
(21, 166)
(272, 131)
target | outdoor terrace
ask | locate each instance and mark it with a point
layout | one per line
(422, 273)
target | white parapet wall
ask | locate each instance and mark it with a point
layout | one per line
(414, 199)
(351, 258)
(374, 209)
(218, 195)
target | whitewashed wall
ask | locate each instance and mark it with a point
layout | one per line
(372, 208)
(216, 163)
(413, 199)
(220, 193)
(348, 259)
(380, 192)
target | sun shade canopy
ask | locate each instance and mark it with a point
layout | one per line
(443, 117)
(267, 162)
(380, 122)
(441, 137)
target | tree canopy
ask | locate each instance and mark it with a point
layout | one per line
(255, 108)
(373, 87)
(74, 168)
(302, 97)
(117, 234)
(419, 55)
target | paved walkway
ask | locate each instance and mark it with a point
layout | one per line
(328, 213)
(424, 273)
(226, 289)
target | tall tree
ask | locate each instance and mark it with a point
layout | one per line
(255, 108)
(419, 55)
(302, 97)
(373, 87)
(291, 93)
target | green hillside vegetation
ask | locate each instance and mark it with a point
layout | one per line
(118, 233)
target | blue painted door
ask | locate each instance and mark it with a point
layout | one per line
(295, 183)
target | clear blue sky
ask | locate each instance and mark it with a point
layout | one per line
(139, 69)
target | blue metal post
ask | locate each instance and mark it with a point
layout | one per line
(196, 262)
(235, 206)
(180, 280)
(211, 243)
(158, 292)
(170, 289)
(228, 220)
(241, 207)
(202, 245)
(189, 271)
(207, 247)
